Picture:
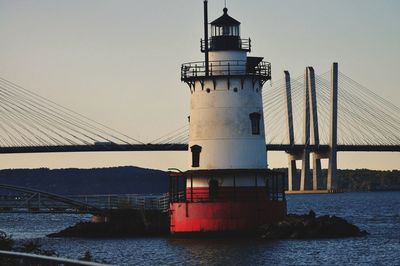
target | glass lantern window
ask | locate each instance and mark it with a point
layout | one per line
(225, 31)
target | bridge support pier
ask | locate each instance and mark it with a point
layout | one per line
(305, 183)
(292, 172)
(316, 171)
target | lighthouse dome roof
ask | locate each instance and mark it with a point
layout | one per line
(225, 20)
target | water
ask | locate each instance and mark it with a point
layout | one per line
(377, 212)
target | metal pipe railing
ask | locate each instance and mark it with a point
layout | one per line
(28, 259)
(194, 70)
(15, 203)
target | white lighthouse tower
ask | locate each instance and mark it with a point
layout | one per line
(228, 186)
(226, 116)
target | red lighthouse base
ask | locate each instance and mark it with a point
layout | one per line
(215, 209)
(224, 217)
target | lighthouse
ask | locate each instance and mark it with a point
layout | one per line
(228, 187)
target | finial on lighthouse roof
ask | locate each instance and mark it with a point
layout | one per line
(225, 20)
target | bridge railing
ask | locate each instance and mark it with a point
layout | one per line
(36, 203)
(118, 201)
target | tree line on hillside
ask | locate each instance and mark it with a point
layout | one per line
(72, 181)
(357, 179)
(135, 180)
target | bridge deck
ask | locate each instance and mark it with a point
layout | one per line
(184, 147)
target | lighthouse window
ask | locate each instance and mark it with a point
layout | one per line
(255, 123)
(226, 30)
(195, 149)
(217, 31)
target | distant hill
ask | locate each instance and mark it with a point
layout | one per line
(114, 180)
(131, 180)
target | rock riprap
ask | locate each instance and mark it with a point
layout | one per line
(131, 223)
(122, 223)
(311, 227)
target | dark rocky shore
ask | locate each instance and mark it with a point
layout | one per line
(121, 223)
(310, 227)
(136, 223)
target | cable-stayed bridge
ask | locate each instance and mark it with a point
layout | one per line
(299, 116)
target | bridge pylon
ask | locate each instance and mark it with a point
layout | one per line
(290, 131)
(311, 134)
(305, 160)
(331, 183)
(314, 139)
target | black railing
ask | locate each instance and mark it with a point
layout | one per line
(226, 43)
(273, 190)
(195, 70)
(177, 187)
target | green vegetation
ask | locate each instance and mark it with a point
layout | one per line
(34, 246)
(30, 246)
(96, 181)
(368, 180)
(6, 242)
(149, 181)
(87, 257)
(358, 179)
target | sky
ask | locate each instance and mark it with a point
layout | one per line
(118, 62)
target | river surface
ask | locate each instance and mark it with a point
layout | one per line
(376, 212)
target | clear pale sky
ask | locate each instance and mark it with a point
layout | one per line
(118, 62)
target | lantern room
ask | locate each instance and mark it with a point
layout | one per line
(225, 26)
(225, 35)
